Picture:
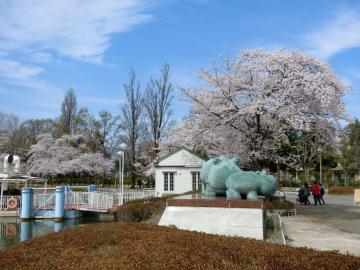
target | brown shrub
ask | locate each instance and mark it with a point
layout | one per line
(341, 190)
(273, 203)
(141, 210)
(142, 246)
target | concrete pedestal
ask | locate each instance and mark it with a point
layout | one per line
(216, 216)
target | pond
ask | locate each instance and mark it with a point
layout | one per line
(15, 230)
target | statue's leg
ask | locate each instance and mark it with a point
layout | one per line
(208, 191)
(203, 187)
(252, 195)
(232, 194)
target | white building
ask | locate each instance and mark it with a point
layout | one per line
(178, 172)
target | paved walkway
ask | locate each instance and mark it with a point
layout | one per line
(333, 226)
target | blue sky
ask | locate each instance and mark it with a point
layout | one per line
(47, 47)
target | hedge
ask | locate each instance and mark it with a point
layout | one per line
(341, 190)
(143, 246)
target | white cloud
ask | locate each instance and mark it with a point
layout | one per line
(79, 29)
(36, 32)
(15, 70)
(337, 35)
(40, 57)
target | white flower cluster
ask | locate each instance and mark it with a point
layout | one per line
(66, 156)
(249, 106)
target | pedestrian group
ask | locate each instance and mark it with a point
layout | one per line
(317, 191)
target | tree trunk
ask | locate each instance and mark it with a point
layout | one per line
(307, 174)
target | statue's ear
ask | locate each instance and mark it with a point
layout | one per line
(216, 160)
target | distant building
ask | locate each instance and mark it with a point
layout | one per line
(178, 172)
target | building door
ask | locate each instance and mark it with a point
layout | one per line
(196, 182)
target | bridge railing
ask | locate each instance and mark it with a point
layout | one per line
(44, 201)
(89, 200)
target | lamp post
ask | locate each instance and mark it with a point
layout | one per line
(121, 154)
(320, 165)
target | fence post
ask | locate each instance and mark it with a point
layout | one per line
(59, 202)
(91, 188)
(26, 203)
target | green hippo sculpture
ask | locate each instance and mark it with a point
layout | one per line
(222, 176)
(214, 173)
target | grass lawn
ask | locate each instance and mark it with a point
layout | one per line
(146, 246)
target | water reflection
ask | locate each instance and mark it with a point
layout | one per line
(14, 230)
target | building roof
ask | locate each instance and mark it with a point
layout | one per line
(178, 150)
(338, 167)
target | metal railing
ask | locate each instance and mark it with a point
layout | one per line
(44, 201)
(92, 201)
(10, 203)
(74, 200)
(134, 195)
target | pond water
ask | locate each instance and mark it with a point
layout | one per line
(15, 230)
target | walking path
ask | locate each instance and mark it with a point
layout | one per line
(333, 226)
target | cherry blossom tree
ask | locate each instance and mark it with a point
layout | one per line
(66, 156)
(248, 106)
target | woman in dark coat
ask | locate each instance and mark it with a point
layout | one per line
(306, 193)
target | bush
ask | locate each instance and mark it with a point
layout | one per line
(141, 210)
(142, 246)
(341, 190)
(274, 203)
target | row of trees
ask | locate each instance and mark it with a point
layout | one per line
(140, 125)
(278, 110)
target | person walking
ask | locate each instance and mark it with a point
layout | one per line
(322, 192)
(306, 194)
(316, 192)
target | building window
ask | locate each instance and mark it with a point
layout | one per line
(169, 181)
(196, 183)
(166, 181)
(193, 181)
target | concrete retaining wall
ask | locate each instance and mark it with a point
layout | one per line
(245, 222)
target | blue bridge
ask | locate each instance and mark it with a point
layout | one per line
(66, 202)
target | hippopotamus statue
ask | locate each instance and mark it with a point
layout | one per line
(214, 173)
(248, 184)
(222, 176)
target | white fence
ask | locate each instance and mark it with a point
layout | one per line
(134, 195)
(10, 203)
(91, 201)
(103, 201)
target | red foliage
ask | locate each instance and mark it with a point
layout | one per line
(143, 246)
(341, 190)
